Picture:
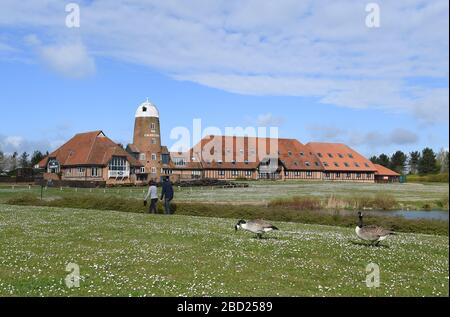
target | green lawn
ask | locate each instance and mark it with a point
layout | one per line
(122, 254)
(409, 195)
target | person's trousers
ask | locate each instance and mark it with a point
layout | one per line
(167, 206)
(153, 204)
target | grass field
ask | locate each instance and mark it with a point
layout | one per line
(130, 254)
(413, 196)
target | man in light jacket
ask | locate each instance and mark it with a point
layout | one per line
(153, 194)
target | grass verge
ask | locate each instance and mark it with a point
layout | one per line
(274, 212)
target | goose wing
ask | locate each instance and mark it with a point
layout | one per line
(375, 232)
(261, 223)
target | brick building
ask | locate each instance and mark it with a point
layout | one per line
(93, 156)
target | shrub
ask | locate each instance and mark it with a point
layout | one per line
(297, 203)
(384, 201)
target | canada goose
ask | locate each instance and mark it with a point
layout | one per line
(256, 226)
(373, 234)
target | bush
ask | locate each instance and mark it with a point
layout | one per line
(432, 178)
(297, 203)
(384, 201)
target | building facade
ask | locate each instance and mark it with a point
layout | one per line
(94, 157)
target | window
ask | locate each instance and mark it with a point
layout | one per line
(153, 157)
(302, 153)
(296, 163)
(336, 164)
(153, 141)
(94, 172)
(81, 171)
(142, 157)
(308, 173)
(233, 162)
(346, 164)
(358, 175)
(289, 153)
(325, 164)
(356, 164)
(307, 164)
(179, 161)
(234, 173)
(366, 164)
(330, 155)
(317, 163)
(153, 170)
(349, 175)
(297, 173)
(196, 173)
(153, 126)
(68, 172)
(248, 173)
(246, 162)
(327, 175)
(338, 175)
(219, 162)
(350, 155)
(53, 166)
(118, 164)
(340, 155)
(221, 173)
(368, 175)
(319, 154)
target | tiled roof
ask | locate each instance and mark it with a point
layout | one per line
(340, 157)
(231, 152)
(91, 148)
(384, 171)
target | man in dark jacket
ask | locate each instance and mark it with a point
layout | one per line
(167, 195)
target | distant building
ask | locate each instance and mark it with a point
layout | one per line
(94, 157)
(385, 175)
(91, 157)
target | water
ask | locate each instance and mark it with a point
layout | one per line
(419, 214)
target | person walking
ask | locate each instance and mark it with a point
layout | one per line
(167, 195)
(153, 195)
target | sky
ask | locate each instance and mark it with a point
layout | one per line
(314, 69)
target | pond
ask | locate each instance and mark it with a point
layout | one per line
(419, 214)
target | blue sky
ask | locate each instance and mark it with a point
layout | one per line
(316, 71)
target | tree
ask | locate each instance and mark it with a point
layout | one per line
(427, 163)
(414, 158)
(36, 158)
(23, 161)
(383, 159)
(13, 162)
(374, 159)
(398, 162)
(2, 161)
(442, 159)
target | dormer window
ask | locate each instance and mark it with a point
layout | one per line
(340, 155)
(330, 155)
(307, 164)
(144, 109)
(302, 154)
(319, 154)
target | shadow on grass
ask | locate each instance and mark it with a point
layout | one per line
(368, 245)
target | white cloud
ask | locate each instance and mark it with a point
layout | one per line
(70, 59)
(11, 144)
(310, 48)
